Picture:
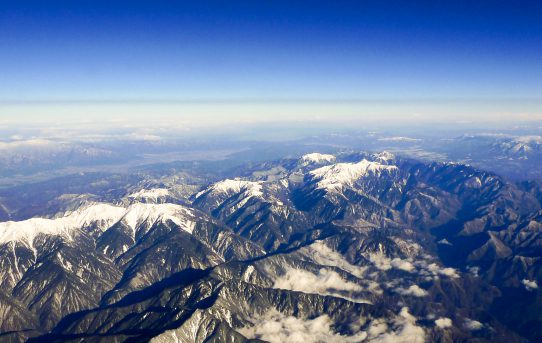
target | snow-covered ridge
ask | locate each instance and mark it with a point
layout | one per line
(529, 139)
(317, 158)
(100, 215)
(384, 156)
(399, 139)
(334, 177)
(138, 214)
(228, 187)
(153, 194)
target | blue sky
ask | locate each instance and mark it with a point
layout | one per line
(92, 58)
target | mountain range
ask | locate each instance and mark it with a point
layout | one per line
(344, 247)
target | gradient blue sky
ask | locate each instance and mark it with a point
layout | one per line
(260, 58)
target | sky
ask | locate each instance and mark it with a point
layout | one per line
(252, 61)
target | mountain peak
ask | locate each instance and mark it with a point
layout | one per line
(335, 176)
(317, 158)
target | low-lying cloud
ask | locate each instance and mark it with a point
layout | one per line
(324, 255)
(413, 290)
(422, 267)
(472, 325)
(401, 329)
(529, 284)
(325, 282)
(443, 323)
(276, 327)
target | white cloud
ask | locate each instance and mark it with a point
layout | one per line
(443, 322)
(529, 284)
(326, 282)
(433, 269)
(275, 327)
(472, 325)
(413, 290)
(320, 253)
(402, 329)
(398, 263)
(444, 241)
(380, 261)
(450, 272)
(383, 262)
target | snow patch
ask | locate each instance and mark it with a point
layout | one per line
(529, 139)
(139, 214)
(399, 139)
(229, 187)
(153, 194)
(384, 156)
(334, 177)
(317, 158)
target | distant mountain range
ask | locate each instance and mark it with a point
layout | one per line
(514, 154)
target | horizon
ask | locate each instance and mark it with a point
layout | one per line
(262, 62)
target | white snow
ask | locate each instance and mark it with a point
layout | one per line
(529, 139)
(100, 215)
(334, 177)
(399, 139)
(153, 194)
(384, 156)
(138, 214)
(317, 158)
(248, 273)
(103, 215)
(229, 186)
